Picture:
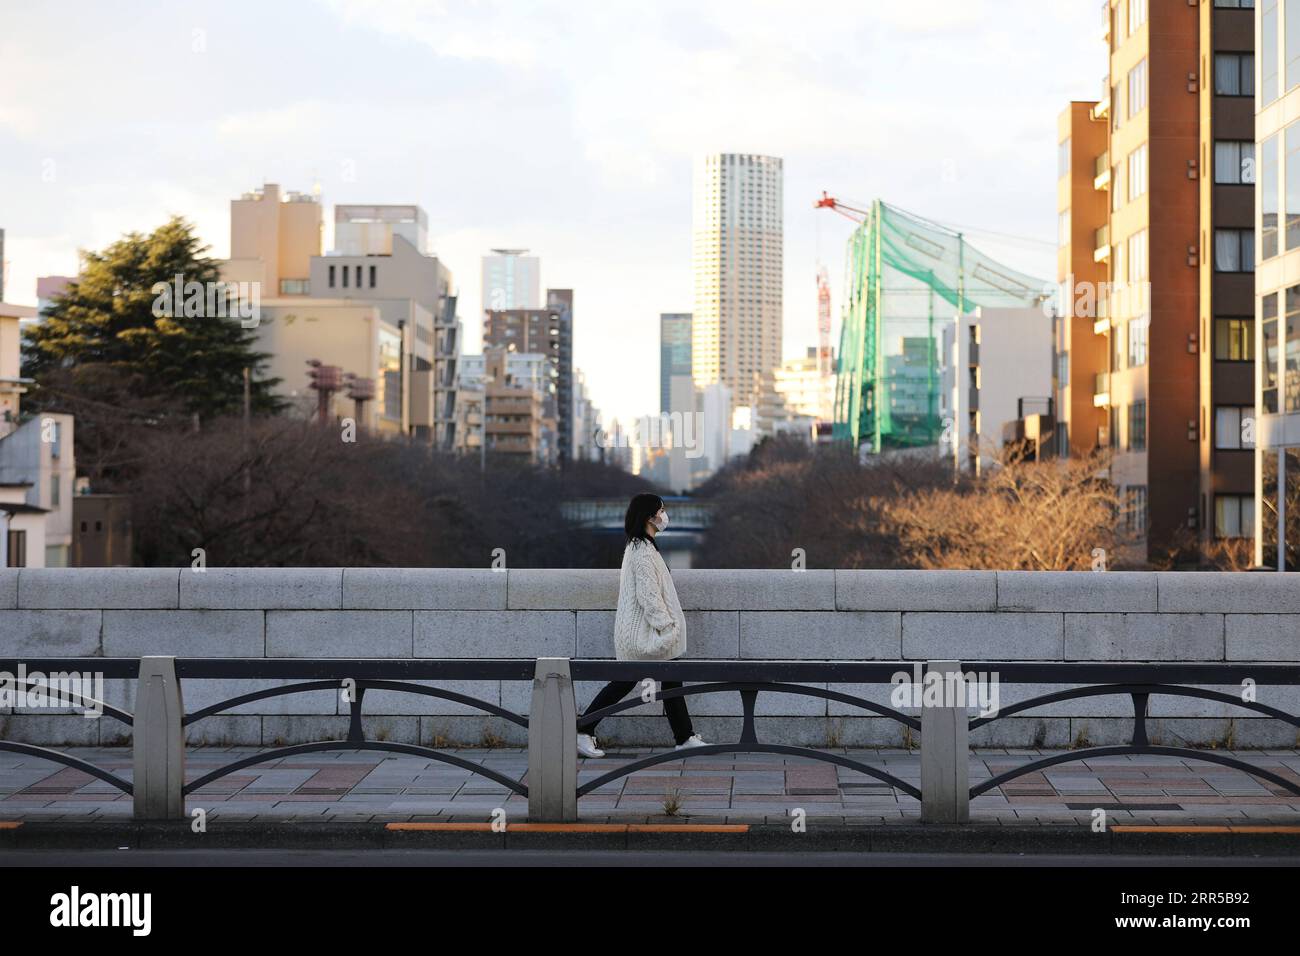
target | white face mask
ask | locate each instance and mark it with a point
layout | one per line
(660, 522)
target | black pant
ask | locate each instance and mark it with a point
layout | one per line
(675, 707)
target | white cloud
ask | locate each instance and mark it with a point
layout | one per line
(564, 125)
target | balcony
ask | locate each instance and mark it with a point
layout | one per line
(1102, 109)
(1101, 244)
(1101, 171)
(1101, 389)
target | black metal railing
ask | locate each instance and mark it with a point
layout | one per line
(1137, 681)
(749, 679)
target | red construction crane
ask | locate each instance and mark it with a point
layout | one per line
(823, 323)
(848, 212)
(823, 284)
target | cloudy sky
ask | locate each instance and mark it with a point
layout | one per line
(566, 127)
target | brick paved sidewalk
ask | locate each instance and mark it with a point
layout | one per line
(359, 786)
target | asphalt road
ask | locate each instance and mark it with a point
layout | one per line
(584, 858)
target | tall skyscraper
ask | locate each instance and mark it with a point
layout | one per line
(737, 255)
(674, 353)
(1154, 359)
(511, 280)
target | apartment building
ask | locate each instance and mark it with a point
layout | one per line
(503, 395)
(548, 331)
(1152, 361)
(995, 365)
(737, 251)
(1276, 326)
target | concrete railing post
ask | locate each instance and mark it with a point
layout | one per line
(945, 747)
(159, 742)
(552, 744)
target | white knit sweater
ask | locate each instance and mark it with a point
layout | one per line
(649, 624)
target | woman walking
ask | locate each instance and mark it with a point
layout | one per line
(649, 624)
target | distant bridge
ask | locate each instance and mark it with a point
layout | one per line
(685, 515)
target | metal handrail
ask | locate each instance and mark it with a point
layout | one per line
(1137, 680)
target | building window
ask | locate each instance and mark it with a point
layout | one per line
(1291, 22)
(1291, 352)
(1116, 187)
(1234, 340)
(17, 549)
(1117, 346)
(1234, 162)
(1063, 228)
(1137, 256)
(1268, 53)
(358, 276)
(1291, 191)
(1135, 514)
(1234, 74)
(1116, 99)
(1228, 422)
(1137, 15)
(1234, 250)
(331, 277)
(345, 276)
(1268, 198)
(1137, 426)
(1137, 88)
(1268, 333)
(294, 287)
(1062, 369)
(1234, 516)
(1137, 341)
(54, 491)
(1137, 172)
(372, 277)
(1063, 159)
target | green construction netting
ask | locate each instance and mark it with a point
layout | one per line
(905, 277)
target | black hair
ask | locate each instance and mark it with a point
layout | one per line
(641, 509)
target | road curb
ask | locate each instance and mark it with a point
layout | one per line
(935, 838)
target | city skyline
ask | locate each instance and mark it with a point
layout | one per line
(592, 177)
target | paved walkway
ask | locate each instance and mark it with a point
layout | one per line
(356, 786)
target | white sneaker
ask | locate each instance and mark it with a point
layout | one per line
(694, 740)
(587, 746)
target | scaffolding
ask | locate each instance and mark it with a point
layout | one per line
(900, 269)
